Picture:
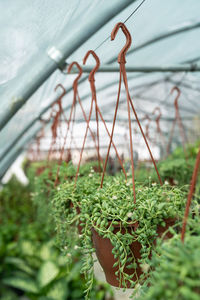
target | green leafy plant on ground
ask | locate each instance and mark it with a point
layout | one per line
(30, 263)
(39, 270)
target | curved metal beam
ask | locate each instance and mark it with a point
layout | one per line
(42, 68)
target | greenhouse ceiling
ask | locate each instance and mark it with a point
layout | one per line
(39, 39)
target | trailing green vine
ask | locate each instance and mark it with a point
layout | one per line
(102, 209)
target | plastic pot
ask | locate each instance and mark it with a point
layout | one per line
(106, 258)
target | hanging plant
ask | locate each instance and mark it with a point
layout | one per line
(128, 231)
(177, 167)
(176, 171)
(66, 205)
(175, 267)
(120, 220)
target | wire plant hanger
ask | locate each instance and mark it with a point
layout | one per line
(157, 116)
(56, 115)
(190, 195)
(98, 114)
(57, 125)
(177, 120)
(122, 62)
(76, 98)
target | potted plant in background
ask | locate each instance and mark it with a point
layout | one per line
(175, 270)
(175, 267)
(177, 167)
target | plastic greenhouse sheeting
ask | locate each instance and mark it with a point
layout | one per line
(164, 33)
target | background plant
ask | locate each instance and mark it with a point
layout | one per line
(175, 270)
(31, 264)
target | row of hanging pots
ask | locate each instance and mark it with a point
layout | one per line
(120, 218)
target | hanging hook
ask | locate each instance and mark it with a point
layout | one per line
(147, 125)
(80, 71)
(157, 109)
(175, 88)
(92, 73)
(62, 87)
(122, 54)
(158, 117)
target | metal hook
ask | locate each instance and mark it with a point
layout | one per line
(159, 113)
(147, 125)
(62, 87)
(175, 88)
(92, 73)
(80, 71)
(122, 54)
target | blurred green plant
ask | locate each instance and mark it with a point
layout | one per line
(176, 169)
(175, 270)
(30, 263)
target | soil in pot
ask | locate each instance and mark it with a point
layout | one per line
(106, 258)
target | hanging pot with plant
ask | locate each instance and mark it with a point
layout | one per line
(126, 270)
(175, 268)
(124, 233)
(121, 233)
(120, 220)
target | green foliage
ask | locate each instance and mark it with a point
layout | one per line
(177, 171)
(191, 151)
(30, 263)
(42, 177)
(177, 168)
(102, 208)
(175, 270)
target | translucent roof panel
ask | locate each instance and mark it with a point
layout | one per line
(163, 33)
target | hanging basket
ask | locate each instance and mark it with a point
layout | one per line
(114, 269)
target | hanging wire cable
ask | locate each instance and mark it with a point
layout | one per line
(135, 10)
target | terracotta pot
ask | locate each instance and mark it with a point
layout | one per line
(40, 170)
(106, 258)
(171, 181)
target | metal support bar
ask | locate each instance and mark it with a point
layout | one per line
(168, 68)
(141, 119)
(40, 69)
